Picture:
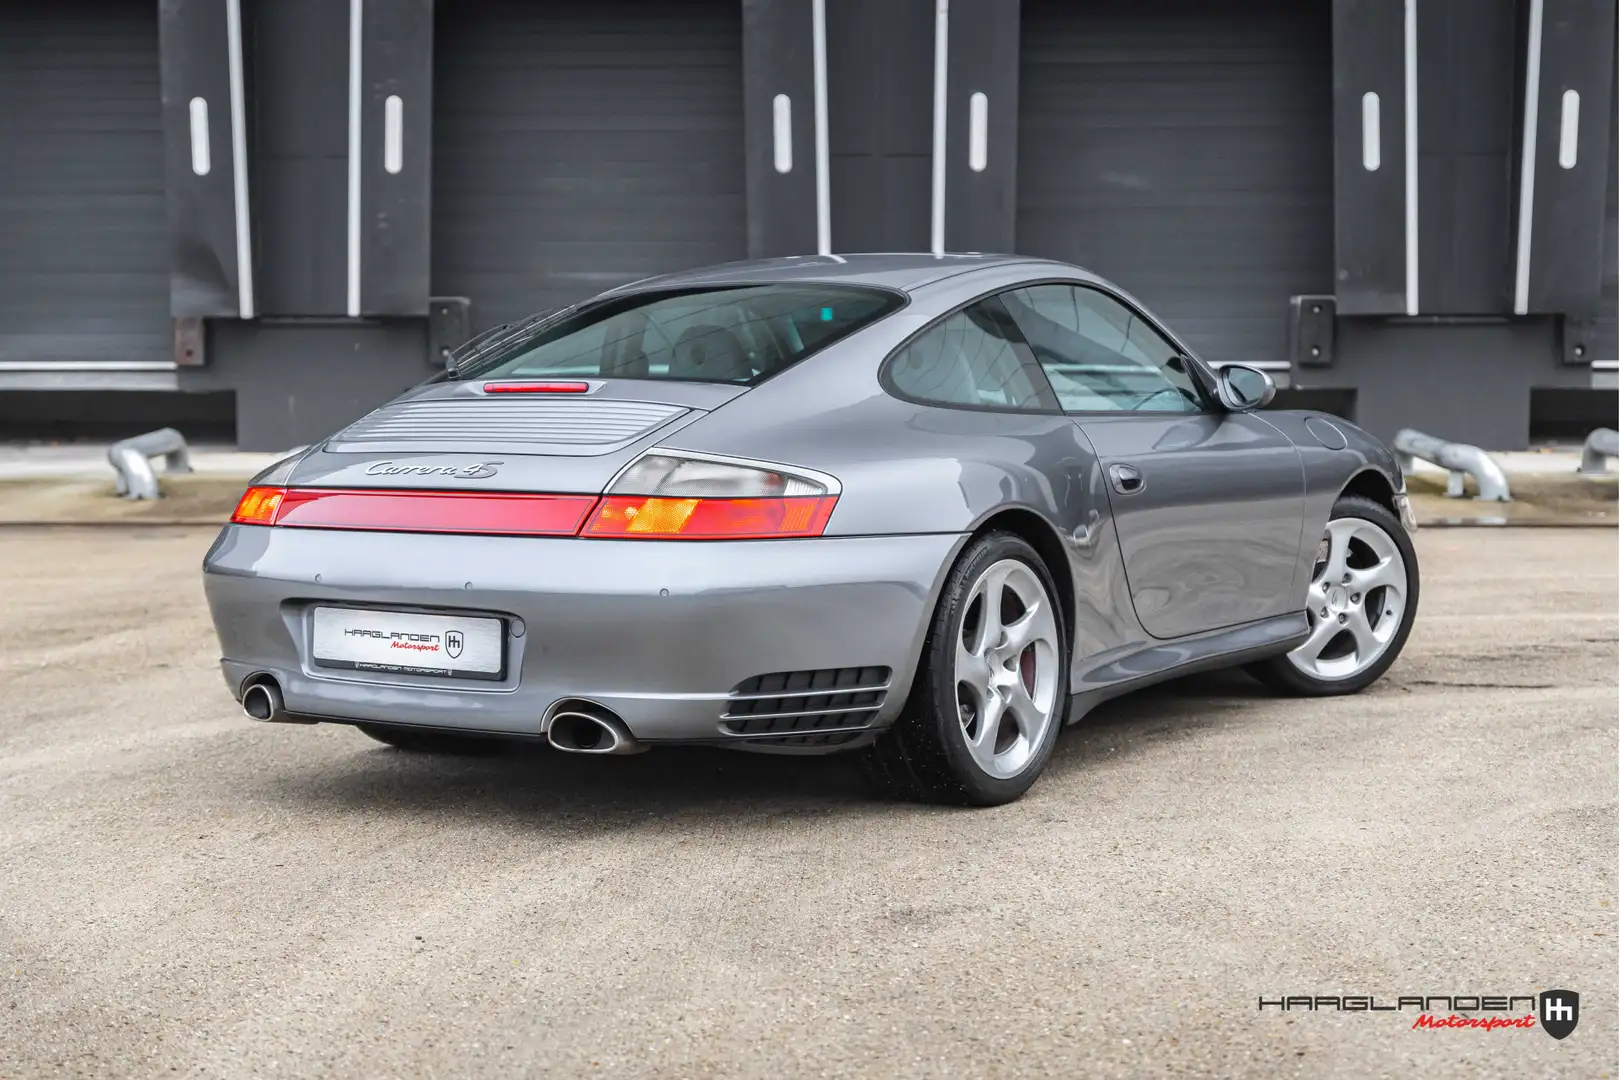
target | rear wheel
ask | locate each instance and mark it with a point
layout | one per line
(423, 741)
(1360, 603)
(989, 696)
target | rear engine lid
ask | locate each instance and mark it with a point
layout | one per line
(455, 436)
(463, 418)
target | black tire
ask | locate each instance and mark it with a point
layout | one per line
(1280, 673)
(924, 756)
(429, 741)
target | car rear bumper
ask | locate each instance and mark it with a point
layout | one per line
(661, 633)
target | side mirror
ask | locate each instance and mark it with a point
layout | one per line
(1245, 388)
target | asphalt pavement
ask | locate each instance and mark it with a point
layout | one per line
(186, 893)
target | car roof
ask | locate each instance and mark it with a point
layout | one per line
(895, 270)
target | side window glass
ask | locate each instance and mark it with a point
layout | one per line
(1099, 355)
(971, 359)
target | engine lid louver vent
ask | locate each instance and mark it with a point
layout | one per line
(493, 425)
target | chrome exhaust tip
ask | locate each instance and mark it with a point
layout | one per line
(261, 701)
(584, 728)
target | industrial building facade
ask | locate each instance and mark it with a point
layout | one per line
(1405, 209)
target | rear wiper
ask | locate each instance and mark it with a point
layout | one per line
(480, 346)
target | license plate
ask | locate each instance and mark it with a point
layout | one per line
(459, 646)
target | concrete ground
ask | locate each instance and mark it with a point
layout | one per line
(185, 893)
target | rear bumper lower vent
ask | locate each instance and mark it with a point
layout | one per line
(814, 738)
(786, 702)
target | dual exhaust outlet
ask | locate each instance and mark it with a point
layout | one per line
(577, 727)
(584, 727)
(262, 701)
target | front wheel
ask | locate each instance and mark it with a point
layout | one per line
(1361, 601)
(990, 693)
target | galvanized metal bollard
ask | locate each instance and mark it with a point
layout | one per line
(129, 458)
(1602, 443)
(1459, 459)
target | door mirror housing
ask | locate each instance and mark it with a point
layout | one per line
(1244, 388)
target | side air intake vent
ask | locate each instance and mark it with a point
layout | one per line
(786, 702)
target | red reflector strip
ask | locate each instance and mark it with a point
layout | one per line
(639, 517)
(506, 514)
(537, 387)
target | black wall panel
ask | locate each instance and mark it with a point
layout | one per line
(1468, 381)
(202, 208)
(298, 151)
(1466, 124)
(582, 145)
(1577, 54)
(980, 206)
(880, 105)
(299, 381)
(1181, 148)
(1606, 343)
(778, 58)
(1369, 209)
(395, 207)
(84, 251)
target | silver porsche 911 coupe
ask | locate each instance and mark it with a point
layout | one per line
(925, 508)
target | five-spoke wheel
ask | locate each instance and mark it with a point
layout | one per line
(1359, 604)
(1356, 602)
(990, 692)
(1006, 667)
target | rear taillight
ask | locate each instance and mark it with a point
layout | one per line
(500, 513)
(667, 495)
(258, 506)
(638, 517)
(674, 495)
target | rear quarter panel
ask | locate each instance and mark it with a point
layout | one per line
(907, 468)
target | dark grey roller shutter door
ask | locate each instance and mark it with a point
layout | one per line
(581, 145)
(84, 273)
(1185, 150)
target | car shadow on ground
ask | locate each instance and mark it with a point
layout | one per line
(591, 793)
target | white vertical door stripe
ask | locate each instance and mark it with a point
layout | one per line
(239, 175)
(1527, 160)
(818, 53)
(1411, 157)
(942, 33)
(355, 51)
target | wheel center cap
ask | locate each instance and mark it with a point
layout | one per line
(1338, 598)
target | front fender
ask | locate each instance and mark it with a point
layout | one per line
(1333, 452)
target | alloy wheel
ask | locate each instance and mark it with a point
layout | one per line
(1357, 599)
(1007, 656)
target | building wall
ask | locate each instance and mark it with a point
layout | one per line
(527, 153)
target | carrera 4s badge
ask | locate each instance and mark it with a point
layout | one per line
(478, 470)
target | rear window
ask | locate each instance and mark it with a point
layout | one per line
(733, 335)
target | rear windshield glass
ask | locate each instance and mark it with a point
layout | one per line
(735, 335)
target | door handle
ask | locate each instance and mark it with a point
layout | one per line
(1127, 479)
